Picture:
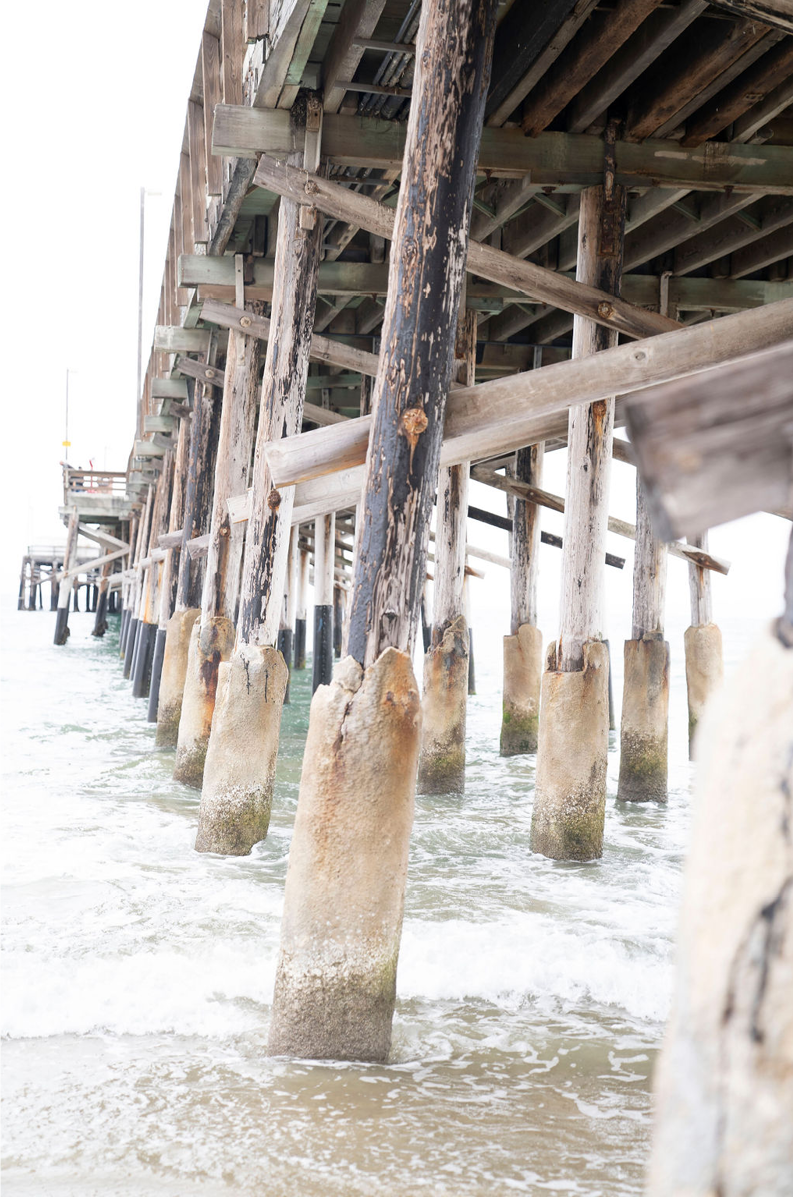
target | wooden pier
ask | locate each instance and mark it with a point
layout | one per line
(414, 244)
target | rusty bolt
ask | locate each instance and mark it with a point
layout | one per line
(605, 309)
(274, 499)
(311, 188)
(245, 322)
(210, 373)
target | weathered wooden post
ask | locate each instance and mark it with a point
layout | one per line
(138, 595)
(100, 622)
(645, 695)
(520, 719)
(724, 1082)
(240, 764)
(125, 585)
(336, 977)
(212, 639)
(324, 564)
(570, 797)
(702, 641)
(445, 693)
(204, 427)
(141, 548)
(147, 628)
(301, 608)
(23, 583)
(285, 643)
(65, 585)
(170, 570)
(338, 617)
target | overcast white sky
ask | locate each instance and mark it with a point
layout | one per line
(95, 102)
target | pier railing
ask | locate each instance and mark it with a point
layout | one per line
(96, 482)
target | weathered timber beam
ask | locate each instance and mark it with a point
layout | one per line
(173, 339)
(547, 538)
(771, 12)
(83, 567)
(171, 540)
(209, 375)
(562, 160)
(510, 412)
(483, 260)
(101, 538)
(169, 389)
(198, 546)
(622, 528)
(323, 349)
(719, 445)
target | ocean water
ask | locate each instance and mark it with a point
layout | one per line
(138, 974)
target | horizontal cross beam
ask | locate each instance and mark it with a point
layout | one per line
(565, 161)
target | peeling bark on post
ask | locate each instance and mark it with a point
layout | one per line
(100, 622)
(213, 639)
(645, 694)
(569, 811)
(336, 978)
(445, 697)
(237, 796)
(520, 719)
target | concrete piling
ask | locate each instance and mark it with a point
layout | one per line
(174, 670)
(724, 1083)
(210, 644)
(645, 696)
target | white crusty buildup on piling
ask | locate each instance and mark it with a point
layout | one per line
(345, 886)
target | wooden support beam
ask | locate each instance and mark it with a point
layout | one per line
(719, 445)
(169, 389)
(213, 95)
(564, 161)
(771, 214)
(199, 480)
(527, 43)
(513, 411)
(750, 88)
(483, 260)
(590, 50)
(211, 376)
(772, 12)
(358, 19)
(197, 176)
(629, 62)
(323, 349)
(177, 340)
(695, 64)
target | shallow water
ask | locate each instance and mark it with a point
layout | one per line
(138, 974)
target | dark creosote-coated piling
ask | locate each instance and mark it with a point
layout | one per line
(324, 556)
(336, 975)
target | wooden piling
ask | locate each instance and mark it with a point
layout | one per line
(199, 479)
(645, 695)
(336, 976)
(520, 717)
(66, 582)
(240, 764)
(301, 608)
(570, 798)
(169, 579)
(213, 635)
(446, 663)
(324, 559)
(702, 642)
